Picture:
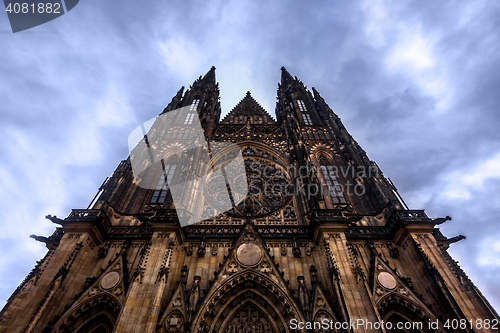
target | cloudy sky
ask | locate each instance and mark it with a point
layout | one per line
(415, 82)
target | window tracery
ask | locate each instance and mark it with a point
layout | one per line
(303, 111)
(268, 183)
(162, 189)
(249, 319)
(331, 182)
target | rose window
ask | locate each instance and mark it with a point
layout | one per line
(269, 188)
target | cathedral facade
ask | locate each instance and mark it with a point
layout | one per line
(320, 242)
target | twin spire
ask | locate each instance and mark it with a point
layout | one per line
(248, 109)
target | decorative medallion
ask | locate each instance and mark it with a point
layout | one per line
(248, 254)
(386, 280)
(110, 280)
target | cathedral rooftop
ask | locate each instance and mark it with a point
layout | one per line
(248, 109)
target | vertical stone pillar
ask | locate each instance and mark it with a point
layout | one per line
(142, 296)
(352, 283)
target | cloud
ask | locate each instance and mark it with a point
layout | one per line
(416, 84)
(460, 184)
(489, 253)
(180, 57)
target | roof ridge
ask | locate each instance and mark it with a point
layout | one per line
(248, 97)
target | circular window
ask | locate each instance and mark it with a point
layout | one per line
(268, 186)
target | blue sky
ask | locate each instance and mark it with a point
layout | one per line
(415, 82)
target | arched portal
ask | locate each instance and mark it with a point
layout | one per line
(96, 315)
(101, 323)
(252, 315)
(247, 300)
(404, 315)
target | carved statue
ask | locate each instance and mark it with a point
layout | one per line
(194, 294)
(184, 272)
(303, 295)
(393, 251)
(441, 220)
(202, 248)
(42, 239)
(54, 219)
(295, 249)
(103, 251)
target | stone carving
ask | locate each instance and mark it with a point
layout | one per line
(313, 272)
(202, 248)
(265, 267)
(249, 320)
(393, 251)
(184, 274)
(232, 267)
(194, 296)
(249, 254)
(283, 250)
(308, 250)
(303, 295)
(103, 250)
(295, 249)
(387, 280)
(110, 280)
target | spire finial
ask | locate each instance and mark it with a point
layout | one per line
(286, 78)
(210, 76)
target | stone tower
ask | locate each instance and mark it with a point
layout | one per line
(322, 242)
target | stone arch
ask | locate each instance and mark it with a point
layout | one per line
(263, 322)
(335, 188)
(101, 323)
(96, 314)
(396, 317)
(322, 151)
(273, 300)
(321, 315)
(398, 308)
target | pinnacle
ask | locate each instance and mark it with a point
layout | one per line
(209, 77)
(285, 76)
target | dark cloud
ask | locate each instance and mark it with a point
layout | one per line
(415, 82)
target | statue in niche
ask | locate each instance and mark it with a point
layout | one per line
(194, 295)
(303, 294)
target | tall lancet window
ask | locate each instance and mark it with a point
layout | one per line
(161, 190)
(192, 111)
(303, 111)
(331, 184)
(194, 104)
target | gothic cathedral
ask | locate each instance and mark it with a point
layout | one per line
(321, 241)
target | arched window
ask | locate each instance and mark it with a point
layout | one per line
(192, 111)
(305, 114)
(331, 184)
(161, 190)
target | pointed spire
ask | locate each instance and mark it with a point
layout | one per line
(286, 78)
(210, 76)
(317, 96)
(174, 103)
